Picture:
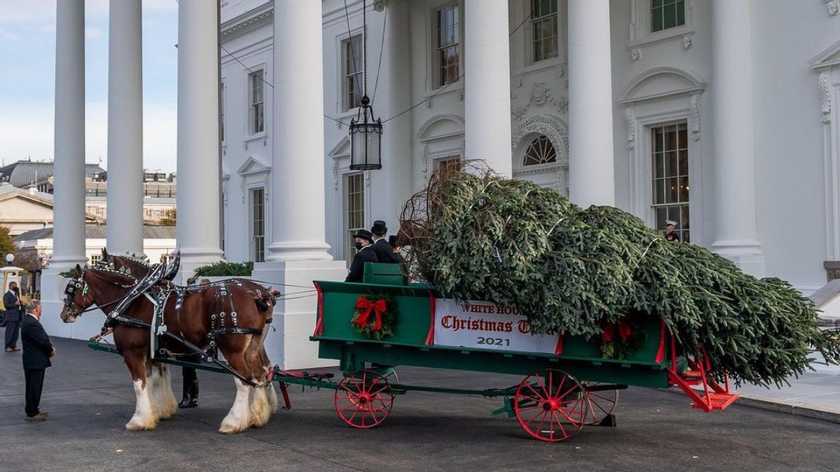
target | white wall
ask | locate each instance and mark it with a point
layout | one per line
(656, 78)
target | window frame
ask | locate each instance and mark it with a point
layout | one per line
(346, 228)
(532, 22)
(256, 248)
(662, 5)
(435, 48)
(344, 46)
(251, 113)
(679, 125)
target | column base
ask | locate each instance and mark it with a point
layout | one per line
(52, 302)
(193, 258)
(299, 251)
(746, 254)
(288, 344)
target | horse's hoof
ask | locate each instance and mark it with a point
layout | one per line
(137, 424)
(233, 426)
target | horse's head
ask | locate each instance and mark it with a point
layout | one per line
(77, 296)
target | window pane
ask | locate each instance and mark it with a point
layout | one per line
(656, 20)
(669, 15)
(671, 164)
(672, 190)
(683, 164)
(684, 220)
(680, 13)
(661, 216)
(659, 185)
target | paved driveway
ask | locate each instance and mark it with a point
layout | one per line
(89, 398)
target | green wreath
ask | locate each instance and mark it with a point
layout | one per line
(375, 317)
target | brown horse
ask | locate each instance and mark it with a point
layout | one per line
(194, 320)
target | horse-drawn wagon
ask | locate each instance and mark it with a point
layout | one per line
(568, 381)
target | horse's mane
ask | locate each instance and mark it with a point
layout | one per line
(137, 267)
(121, 276)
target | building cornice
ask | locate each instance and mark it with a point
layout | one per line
(249, 21)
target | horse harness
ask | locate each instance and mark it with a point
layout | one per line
(157, 287)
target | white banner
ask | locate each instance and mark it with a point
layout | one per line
(484, 325)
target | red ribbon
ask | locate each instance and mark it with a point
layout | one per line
(365, 308)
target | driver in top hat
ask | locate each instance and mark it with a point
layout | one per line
(381, 246)
(363, 240)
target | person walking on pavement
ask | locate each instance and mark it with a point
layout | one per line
(381, 246)
(14, 315)
(37, 351)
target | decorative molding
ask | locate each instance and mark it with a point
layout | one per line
(552, 127)
(248, 21)
(824, 82)
(690, 84)
(253, 166)
(695, 122)
(833, 7)
(541, 96)
(423, 132)
(688, 40)
(630, 123)
(640, 29)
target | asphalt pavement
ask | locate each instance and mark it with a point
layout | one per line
(89, 398)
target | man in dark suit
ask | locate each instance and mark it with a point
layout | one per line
(37, 351)
(364, 253)
(14, 315)
(381, 246)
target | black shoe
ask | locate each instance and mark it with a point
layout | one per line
(188, 402)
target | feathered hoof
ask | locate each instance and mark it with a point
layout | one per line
(233, 426)
(139, 424)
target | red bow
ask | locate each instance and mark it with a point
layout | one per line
(365, 307)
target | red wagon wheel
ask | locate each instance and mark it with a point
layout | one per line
(599, 404)
(364, 399)
(551, 407)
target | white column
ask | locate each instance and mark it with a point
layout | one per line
(198, 135)
(487, 84)
(298, 250)
(735, 204)
(297, 175)
(591, 173)
(69, 155)
(125, 129)
(395, 94)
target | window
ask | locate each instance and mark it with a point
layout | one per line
(670, 176)
(354, 211)
(256, 110)
(352, 68)
(666, 14)
(540, 151)
(543, 29)
(448, 166)
(95, 259)
(258, 224)
(447, 45)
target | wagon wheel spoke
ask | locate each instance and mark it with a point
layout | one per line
(555, 416)
(363, 401)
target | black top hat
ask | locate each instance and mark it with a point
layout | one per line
(392, 240)
(379, 228)
(364, 234)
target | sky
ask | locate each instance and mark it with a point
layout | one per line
(27, 81)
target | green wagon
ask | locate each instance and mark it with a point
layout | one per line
(568, 382)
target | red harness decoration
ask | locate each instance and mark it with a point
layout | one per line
(365, 308)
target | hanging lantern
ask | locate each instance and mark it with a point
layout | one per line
(365, 130)
(365, 139)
